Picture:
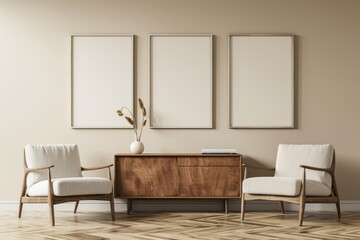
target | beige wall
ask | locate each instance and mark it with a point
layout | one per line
(35, 84)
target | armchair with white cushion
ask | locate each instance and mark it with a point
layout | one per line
(53, 175)
(303, 174)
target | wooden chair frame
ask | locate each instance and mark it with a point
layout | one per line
(52, 199)
(301, 199)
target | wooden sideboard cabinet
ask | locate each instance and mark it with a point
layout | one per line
(178, 176)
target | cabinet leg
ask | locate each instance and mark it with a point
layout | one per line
(226, 206)
(129, 206)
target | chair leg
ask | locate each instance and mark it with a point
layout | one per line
(52, 216)
(112, 206)
(20, 208)
(301, 211)
(76, 206)
(23, 193)
(282, 207)
(51, 210)
(243, 206)
(338, 209)
(337, 200)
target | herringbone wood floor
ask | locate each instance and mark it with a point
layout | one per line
(204, 226)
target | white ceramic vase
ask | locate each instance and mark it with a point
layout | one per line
(137, 147)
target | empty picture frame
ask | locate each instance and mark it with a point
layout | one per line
(102, 79)
(261, 81)
(181, 80)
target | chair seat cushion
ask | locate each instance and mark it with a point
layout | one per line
(72, 187)
(283, 186)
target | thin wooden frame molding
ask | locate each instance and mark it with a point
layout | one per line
(181, 81)
(102, 79)
(261, 81)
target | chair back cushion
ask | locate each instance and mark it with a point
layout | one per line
(64, 157)
(290, 157)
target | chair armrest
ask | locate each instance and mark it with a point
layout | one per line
(256, 167)
(259, 167)
(316, 168)
(27, 170)
(95, 168)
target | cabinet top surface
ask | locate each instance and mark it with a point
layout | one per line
(176, 155)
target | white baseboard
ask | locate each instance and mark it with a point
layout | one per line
(180, 205)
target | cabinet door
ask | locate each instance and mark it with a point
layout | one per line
(148, 177)
(209, 181)
(209, 176)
